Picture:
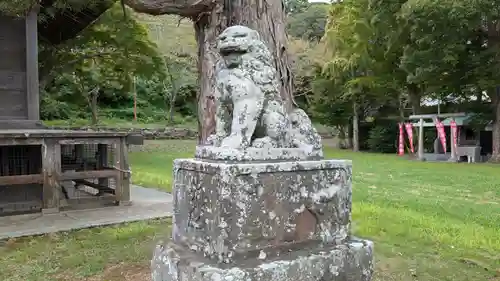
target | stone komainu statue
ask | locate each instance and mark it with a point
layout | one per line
(249, 109)
(262, 190)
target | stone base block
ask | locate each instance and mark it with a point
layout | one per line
(352, 261)
(230, 210)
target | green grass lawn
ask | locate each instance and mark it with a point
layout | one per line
(429, 221)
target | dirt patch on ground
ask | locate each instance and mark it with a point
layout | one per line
(124, 272)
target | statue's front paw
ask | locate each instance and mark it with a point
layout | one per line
(233, 141)
(213, 140)
(265, 142)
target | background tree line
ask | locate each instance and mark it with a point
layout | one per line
(98, 72)
(386, 56)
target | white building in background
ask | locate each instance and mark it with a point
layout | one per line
(451, 98)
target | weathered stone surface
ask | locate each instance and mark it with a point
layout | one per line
(230, 210)
(351, 261)
(303, 133)
(256, 154)
(249, 108)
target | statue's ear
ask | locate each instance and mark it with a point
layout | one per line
(254, 35)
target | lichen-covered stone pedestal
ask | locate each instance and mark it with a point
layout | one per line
(262, 220)
(351, 261)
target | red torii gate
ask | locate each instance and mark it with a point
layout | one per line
(434, 117)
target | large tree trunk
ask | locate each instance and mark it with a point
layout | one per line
(401, 108)
(92, 98)
(479, 102)
(415, 97)
(495, 157)
(267, 17)
(493, 31)
(184, 8)
(355, 127)
(211, 17)
(350, 133)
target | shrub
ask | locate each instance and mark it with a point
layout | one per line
(383, 138)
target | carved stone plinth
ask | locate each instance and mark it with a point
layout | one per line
(350, 261)
(262, 220)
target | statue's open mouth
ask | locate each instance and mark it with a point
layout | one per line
(231, 50)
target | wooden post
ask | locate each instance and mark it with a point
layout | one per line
(421, 140)
(453, 156)
(51, 161)
(102, 151)
(123, 180)
(32, 100)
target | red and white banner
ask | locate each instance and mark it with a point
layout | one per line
(401, 148)
(454, 130)
(409, 132)
(441, 134)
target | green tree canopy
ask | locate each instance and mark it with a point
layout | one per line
(107, 55)
(308, 24)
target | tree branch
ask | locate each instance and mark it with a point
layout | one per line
(183, 8)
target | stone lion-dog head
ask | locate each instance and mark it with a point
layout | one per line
(242, 48)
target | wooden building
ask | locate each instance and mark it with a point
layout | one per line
(43, 170)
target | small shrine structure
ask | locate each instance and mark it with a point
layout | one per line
(45, 170)
(470, 147)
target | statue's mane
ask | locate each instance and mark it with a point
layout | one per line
(260, 60)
